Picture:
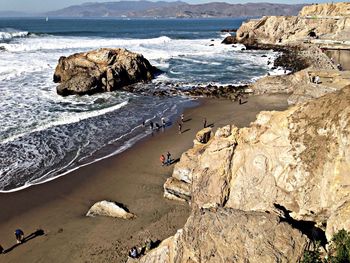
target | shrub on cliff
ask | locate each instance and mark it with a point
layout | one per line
(339, 251)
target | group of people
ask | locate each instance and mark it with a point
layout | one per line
(137, 252)
(19, 234)
(156, 125)
(166, 161)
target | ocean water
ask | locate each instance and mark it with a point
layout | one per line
(43, 135)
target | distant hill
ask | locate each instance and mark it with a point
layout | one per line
(177, 9)
(13, 14)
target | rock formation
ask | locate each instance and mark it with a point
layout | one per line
(317, 22)
(298, 159)
(229, 235)
(301, 85)
(101, 70)
(111, 209)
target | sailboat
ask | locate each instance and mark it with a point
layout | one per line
(47, 18)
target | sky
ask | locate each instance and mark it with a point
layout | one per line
(37, 6)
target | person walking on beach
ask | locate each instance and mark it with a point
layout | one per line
(19, 236)
(180, 128)
(151, 125)
(162, 159)
(168, 158)
(182, 118)
(205, 122)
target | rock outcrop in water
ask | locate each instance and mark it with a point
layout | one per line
(101, 70)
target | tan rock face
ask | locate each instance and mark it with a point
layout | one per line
(278, 30)
(298, 159)
(101, 70)
(328, 9)
(229, 235)
(300, 84)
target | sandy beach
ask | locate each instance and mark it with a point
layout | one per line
(134, 178)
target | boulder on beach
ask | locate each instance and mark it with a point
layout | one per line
(111, 209)
(101, 70)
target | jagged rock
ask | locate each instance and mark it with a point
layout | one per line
(327, 9)
(175, 189)
(300, 86)
(203, 136)
(229, 235)
(101, 70)
(229, 40)
(277, 30)
(298, 159)
(108, 208)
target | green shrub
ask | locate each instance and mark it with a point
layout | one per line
(339, 251)
(340, 247)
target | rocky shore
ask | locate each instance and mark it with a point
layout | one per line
(270, 191)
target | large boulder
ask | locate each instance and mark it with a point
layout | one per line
(229, 235)
(101, 70)
(111, 209)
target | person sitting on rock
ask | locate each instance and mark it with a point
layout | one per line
(317, 80)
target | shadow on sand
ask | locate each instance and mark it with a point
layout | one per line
(33, 235)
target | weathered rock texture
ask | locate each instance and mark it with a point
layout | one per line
(300, 84)
(107, 208)
(317, 21)
(229, 235)
(298, 159)
(101, 70)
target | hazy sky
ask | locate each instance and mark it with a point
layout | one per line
(48, 5)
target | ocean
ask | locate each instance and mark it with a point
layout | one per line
(44, 136)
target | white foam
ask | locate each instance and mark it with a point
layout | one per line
(74, 118)
(9, 33)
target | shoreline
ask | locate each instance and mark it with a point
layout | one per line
(133, 177)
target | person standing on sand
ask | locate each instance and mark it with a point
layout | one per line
(163, 122)
(180, 128)
(162, 159)
(182, 118)
(168, 158)
(19, 236)
(205, 122)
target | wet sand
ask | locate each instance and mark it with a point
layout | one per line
(134, 178)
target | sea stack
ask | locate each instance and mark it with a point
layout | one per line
(101, 70)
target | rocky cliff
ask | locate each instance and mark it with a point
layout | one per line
(261, 193)
(321, 22)
(101, 70)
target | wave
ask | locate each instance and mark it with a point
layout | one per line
(49, 42)
(7, 34)
(69, 120)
